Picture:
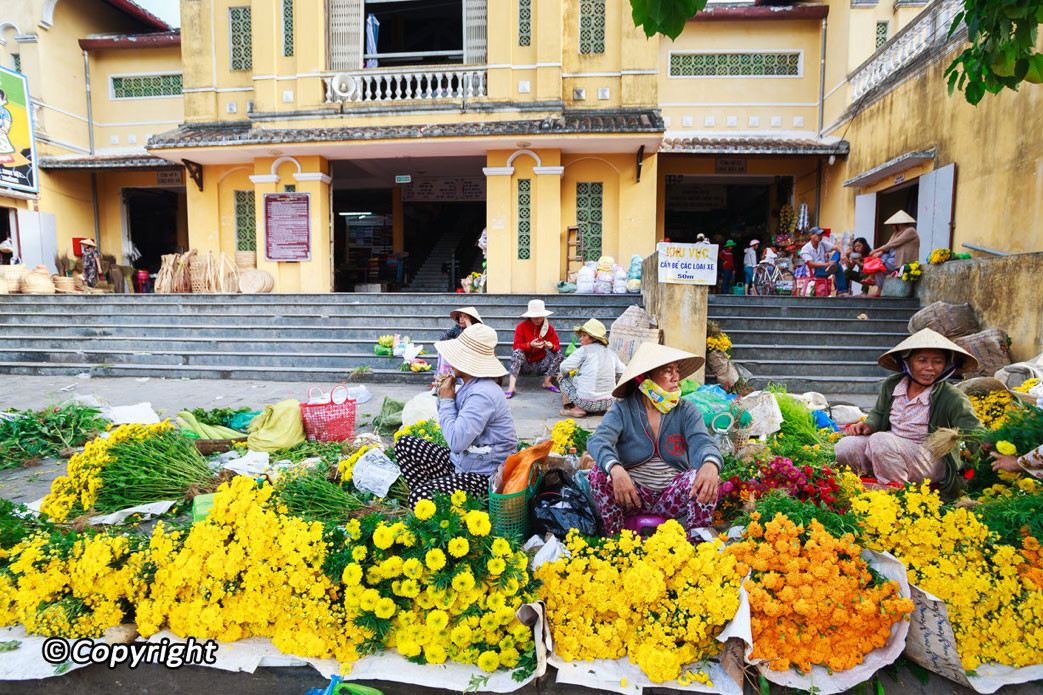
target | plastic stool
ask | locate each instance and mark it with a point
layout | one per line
(643, 524)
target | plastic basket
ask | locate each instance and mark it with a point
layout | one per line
(333, 421)
(509, 514)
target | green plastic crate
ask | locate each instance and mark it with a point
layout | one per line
(509, 514)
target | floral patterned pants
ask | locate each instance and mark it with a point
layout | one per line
(548, 366)
(429, 472)
(673, 502)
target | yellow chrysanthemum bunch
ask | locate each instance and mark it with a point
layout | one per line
(562, 433)
(812, 597)
(1027, 385)
(436, 586)
(661, 602)
(77, 491)
(248, 570)
(950, 553)
(720, 342)
(71, 586)
(992, 408)
(425, 429)
(939, 256)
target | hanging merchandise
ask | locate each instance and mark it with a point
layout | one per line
(802, 218)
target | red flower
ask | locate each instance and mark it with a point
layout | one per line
(968, 474)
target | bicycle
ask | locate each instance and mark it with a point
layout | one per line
(766, 278)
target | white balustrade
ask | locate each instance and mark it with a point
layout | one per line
(928, 29)
(405, 84)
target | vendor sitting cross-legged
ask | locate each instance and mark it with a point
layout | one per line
(476, 422)
(589, 374)
(889, 445)
(536, 348)
(653, 453)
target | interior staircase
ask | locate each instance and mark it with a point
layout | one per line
(429, 276)
(806, 343)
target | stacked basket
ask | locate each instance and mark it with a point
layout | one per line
(256, 282)
(64, 285)
(12, 277)
(37, 282)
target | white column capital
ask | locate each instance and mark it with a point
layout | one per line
(498, 171)
(265, 178)
(556, 171)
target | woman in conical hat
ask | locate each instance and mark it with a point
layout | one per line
(475, 419)
(913, 403)
(588, 375)
(653, 453)
(462, 318)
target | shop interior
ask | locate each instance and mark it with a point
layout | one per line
(155, 221)
(443, 214)
(902, 197)
(723, 207)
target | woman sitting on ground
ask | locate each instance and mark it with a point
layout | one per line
(589, 374)
(536, 348)
(653, 453)
(911, 405)
(475, 420)
(462, 318)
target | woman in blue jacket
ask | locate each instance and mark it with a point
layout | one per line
(653, 453)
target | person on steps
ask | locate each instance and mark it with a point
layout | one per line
(588, 375)
(476, 422)
(536, 348)
(462, 318)
(889, 445)
(653, 453)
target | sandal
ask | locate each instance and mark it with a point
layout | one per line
(508, 395)
(552, 388)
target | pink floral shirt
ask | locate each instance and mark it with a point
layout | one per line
(909, 418)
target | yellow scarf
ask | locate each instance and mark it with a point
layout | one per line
(662, 400)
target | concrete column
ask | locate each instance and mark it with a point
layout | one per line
(498, 222)
(398, 221)
(204, 231)
(547, 235)
(265, 182)
(316, 275)
(680, 310)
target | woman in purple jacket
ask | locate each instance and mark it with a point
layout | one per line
(476, 422)
(653, 453)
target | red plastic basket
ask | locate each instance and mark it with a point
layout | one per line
(329, 422)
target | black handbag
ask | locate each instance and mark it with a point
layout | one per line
(561, 505)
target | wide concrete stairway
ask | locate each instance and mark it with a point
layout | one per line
(818, 344)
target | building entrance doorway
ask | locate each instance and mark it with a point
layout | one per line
(719, 207)
(156, 225)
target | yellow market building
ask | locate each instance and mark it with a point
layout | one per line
(411, 126)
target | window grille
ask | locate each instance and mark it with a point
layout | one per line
(592, 26)
(245, 221)
(589, 198)
(881, 34)
(287, 28)
(140, 86)
(734, 64)
(524, 22)
(240, 38)
(524, 219)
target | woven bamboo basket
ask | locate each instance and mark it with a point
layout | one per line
(36, 283)
(63, 284)
(11, 276)
(197, 274)
(256, 282)
(208, 447)
(246, 260)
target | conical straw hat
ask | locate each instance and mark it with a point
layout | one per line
(595, 329)
(474, 352)
(927, 339)
(651, 355)
(900, 217)
(468, 311)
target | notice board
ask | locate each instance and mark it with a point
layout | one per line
(687, 264)
(287, 226)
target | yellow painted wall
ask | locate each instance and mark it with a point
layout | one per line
(998, 156)
(137, 117)
(697, 98)
(210, 83)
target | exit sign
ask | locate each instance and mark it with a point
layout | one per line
(403, 178)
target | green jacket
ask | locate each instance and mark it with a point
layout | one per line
(950, 407)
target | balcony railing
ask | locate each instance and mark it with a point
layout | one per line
(406, 84)
(929, 29)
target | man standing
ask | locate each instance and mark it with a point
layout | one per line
(727, 263)
(822, 260)
(749, 262)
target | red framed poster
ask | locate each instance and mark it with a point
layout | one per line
(287, 226)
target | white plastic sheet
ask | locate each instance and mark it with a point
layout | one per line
(137, 414)
(147, 511)
(765, 411)
(423, 406)
(26, 662)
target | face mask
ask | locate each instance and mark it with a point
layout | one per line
(662, 400)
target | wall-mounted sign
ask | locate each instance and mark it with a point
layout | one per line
(287, 226)
(899, 179)
(447, 190)
(403, 178)
(696, 197)
(687, 264)
(17, 144)
(170, 178)
(729, 165)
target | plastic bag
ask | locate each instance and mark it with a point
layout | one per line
(708, 403)
(374, 472)
(240, 421)
(873, 264)
(572, 347)
(634, 286)
(634, 273)
(423, 406)
(605, 263)
(279, 426)
(560, 505)
(619, 281)
(585, 279)
(567, 287)
(517, 467)
(603, 282)
(389, 420)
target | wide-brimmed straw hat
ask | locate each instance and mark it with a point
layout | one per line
(467, 311)
(649, 356)
(927, 339)
(474, 352)
(87, 242)
(595, 329)
(900, 217)
(536, 310)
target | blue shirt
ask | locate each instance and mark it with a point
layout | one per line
(478, 426)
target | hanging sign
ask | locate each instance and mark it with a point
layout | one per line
(687, 264)
(729, 165)
(17, 144)
(446, 190)
(287, 227)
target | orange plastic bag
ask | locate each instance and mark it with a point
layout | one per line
(517, 466)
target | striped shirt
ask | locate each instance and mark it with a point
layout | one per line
(654, 474)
